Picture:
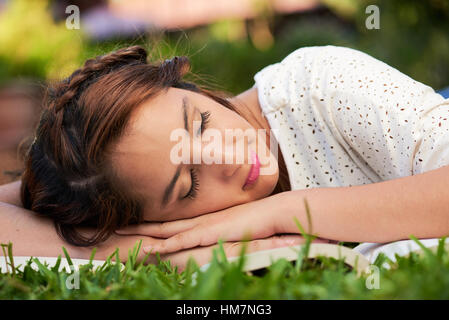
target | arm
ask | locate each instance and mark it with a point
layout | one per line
(396, 128)
(10, 193)
(379, 212)
(32, 235)
(36, 236)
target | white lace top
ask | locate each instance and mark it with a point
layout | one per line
(345, 118)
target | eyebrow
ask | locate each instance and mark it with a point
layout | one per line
(169, 190)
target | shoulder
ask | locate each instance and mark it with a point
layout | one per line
(319, 51)
(322, 57)
(295, 77)
(302, 59)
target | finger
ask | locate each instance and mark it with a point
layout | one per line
(158, 229)
(273, 242)
(180, 241)
(197, 236)
(203, 255)
(200, 235)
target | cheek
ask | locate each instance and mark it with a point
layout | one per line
(218, 196)
(270, 182)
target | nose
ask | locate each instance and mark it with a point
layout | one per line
(229, 170)
(228, 155)
(224, 161)
(233, 159)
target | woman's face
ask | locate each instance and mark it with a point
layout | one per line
(184, 175)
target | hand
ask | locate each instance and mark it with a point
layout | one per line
(201, 255)
(124, 244)
(251, 220)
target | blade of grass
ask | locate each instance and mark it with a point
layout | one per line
(309, 216)
(440, 250)
(92, 255)
(69, 261)
(428, 252)
(11, 259)
(57, 264)
(5, 255)
(221, 250)
(304, 252)
(117, 265)
(43, 269)
(432, 257)
(242, 257)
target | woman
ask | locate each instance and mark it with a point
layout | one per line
(363, 143)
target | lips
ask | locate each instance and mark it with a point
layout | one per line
(254, 171)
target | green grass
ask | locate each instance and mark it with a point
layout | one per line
(418, 276)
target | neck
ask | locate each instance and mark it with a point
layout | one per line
(247, 103)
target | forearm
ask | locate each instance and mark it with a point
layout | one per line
(10, 193)
(380, 212)
(32, 235)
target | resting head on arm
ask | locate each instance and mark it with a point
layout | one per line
(101, 154)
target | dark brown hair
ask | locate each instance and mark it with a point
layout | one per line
(68, 176)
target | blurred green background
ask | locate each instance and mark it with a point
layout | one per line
(36, 46)
(413, 37)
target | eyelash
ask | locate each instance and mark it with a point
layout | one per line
(205, 116)
(204, 120)
(195, 184)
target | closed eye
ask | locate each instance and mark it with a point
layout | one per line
(194, 187)
(204, 121)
